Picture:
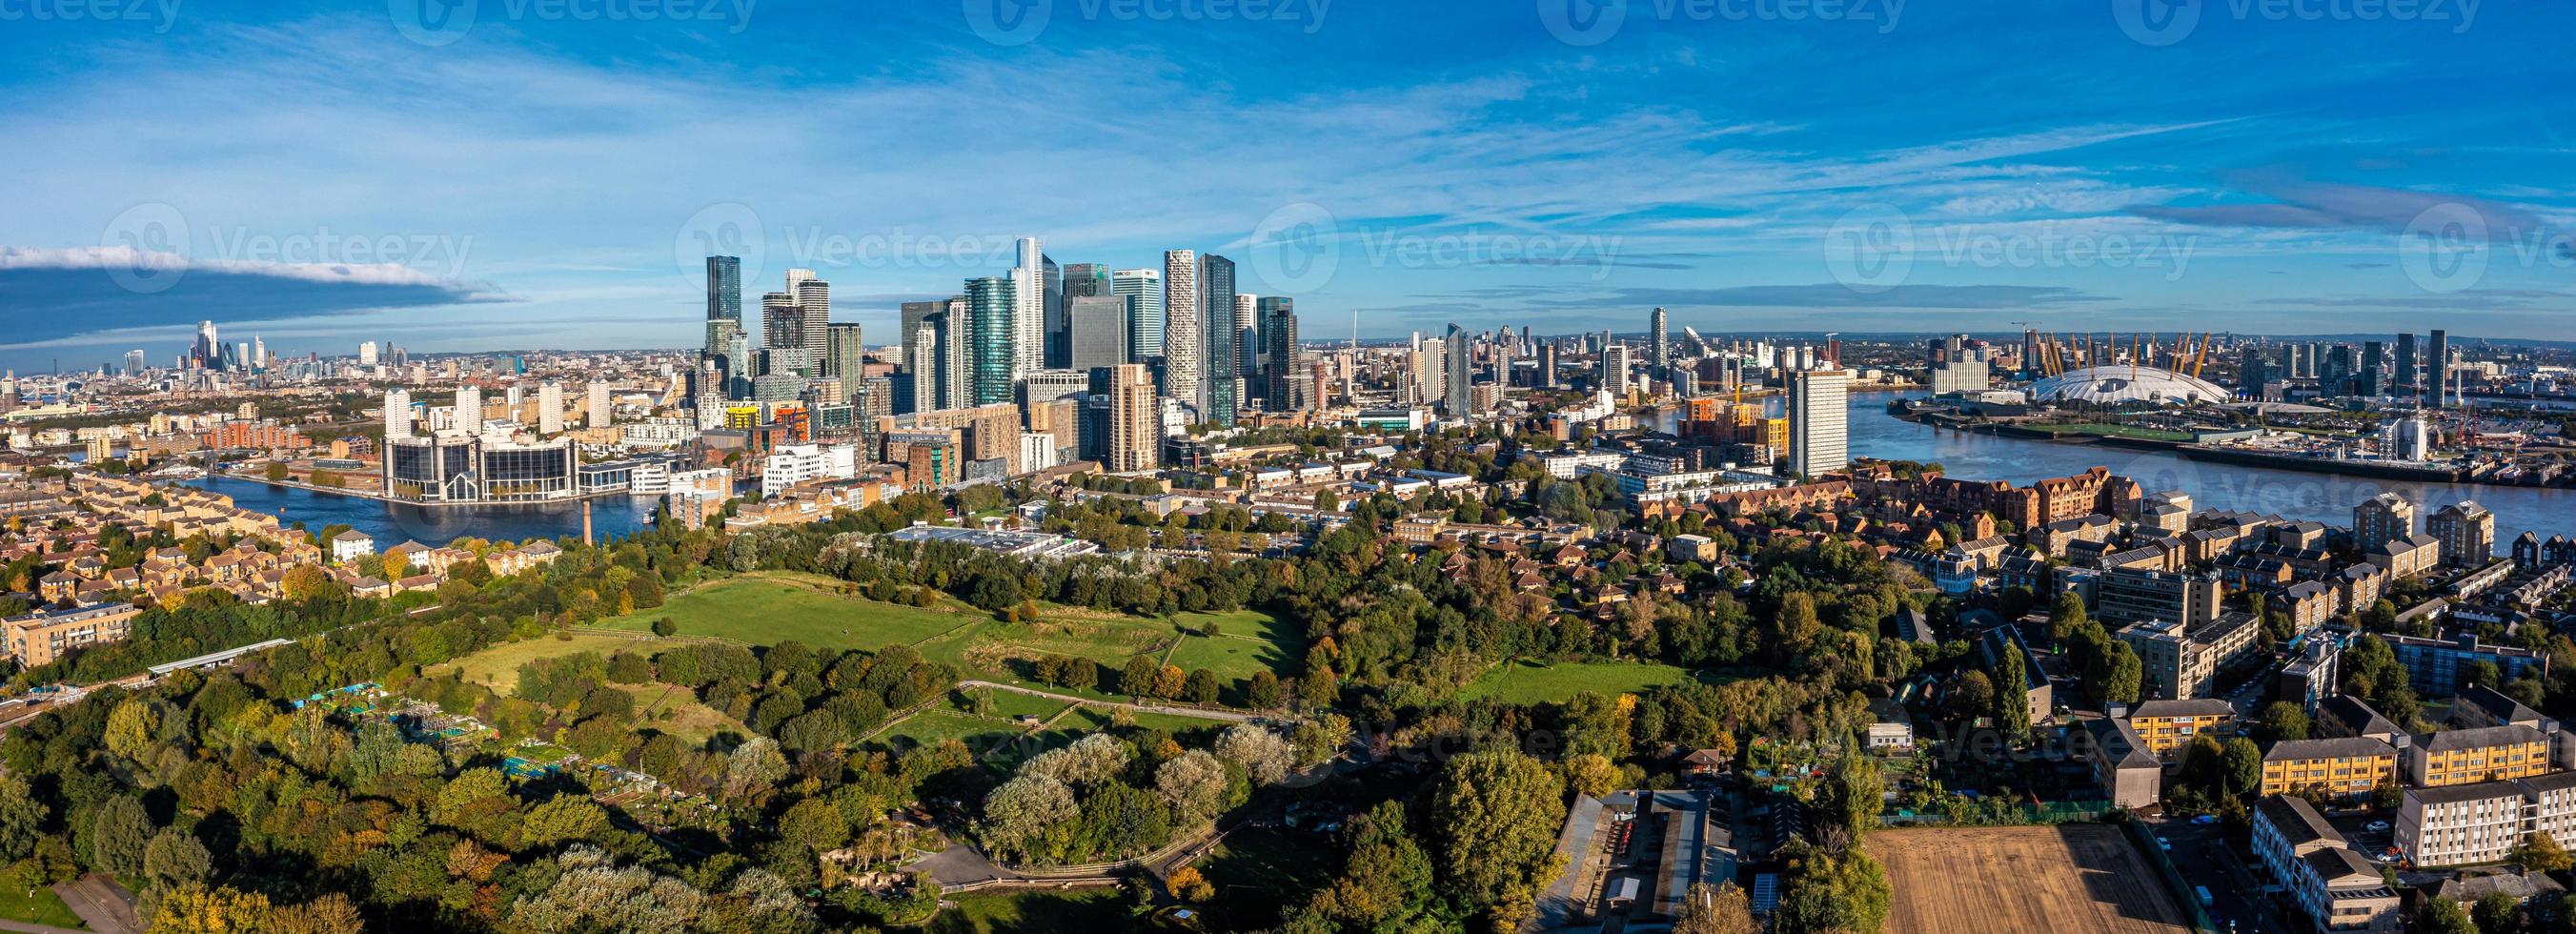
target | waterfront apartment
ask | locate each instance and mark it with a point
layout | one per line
(2472, 756)
(44, 637)
(2335, 887)
(2344, 767)
(2169, 725)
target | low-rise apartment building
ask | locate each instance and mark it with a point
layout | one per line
(2335, 887)
(2169, 725)
(2473, 756)
(2344, 767)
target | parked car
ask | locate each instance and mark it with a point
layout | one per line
(2377, 826)
(2164, 844)
(2204, 820)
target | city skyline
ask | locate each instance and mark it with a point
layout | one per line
(2277, 202)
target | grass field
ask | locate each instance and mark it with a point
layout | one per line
(39, 906)
(1259, 870)
(769, 607)
(1531, 681)
(498, 668)
(1080, 911)
(2116, 431)
(2023, 880)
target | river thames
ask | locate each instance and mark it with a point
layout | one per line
(2326, 498)
(392, 523)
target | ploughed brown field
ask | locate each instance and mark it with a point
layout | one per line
(2023, 880)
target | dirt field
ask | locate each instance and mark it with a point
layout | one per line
(2023, 880)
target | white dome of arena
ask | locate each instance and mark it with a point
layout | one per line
(2116, 383)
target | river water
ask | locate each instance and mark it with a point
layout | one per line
(2326, 498)
(392, 523)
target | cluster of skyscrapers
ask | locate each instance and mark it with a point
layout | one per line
(1039, 331)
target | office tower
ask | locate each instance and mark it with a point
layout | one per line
(845, 358)
(2402, 375)
(204, 352)
(1026, 316)
(1083, 280)
(1457, 374)
(1144, 290)
(2381, 519)
(2374, 368)
(469, 410)
(596, 411)
(1181, 349)
(1221, 367)
(258, 353)
(782, 324)
(134, 363)
(920, 391)
(1095, 330)
(993, 336)
(366, 351)
(1247, 340)
(1280, 378)
(814, 315)
(1135, 441)
(1546, 378)
(1660, 354)
(1818, 436)
(397, 413)
(724, 288)
(2254, 372)
(1615, 363)
(2437, 368)
(550, 407)
(1053, 282)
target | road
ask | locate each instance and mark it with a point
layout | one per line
(1203, 713)
(102, 904)
(2200, 854)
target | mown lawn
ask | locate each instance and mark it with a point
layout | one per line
(1081, 911)
(766, 608)
(1530, 681)
(37, 906)
(498, 667)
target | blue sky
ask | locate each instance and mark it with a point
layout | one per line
(539, 173)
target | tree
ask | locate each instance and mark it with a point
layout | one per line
(1716, 909)
(175, 858)
(1091, 760)
(2243, 766)
(119, 832)
(1201, 687)
(1020, 812)
(1264, 693)
(1138, 677)
(1262, 754)
(1854, 795)
(2497, 913)
(1494, 817)
(2065, 617)
(2012, 699)
(2444, 916)
(1825, 892)
(815, 824)
(665, 627)
(1194, 785)
(2282, 720)
(2541, 853)
(1189, 885)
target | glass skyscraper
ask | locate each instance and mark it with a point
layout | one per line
(1216, 316)
(992, 316)
(1143, 289)
(724, 288)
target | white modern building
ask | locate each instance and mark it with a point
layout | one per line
(1819, 432)
(792, 464)
(1182, 344)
